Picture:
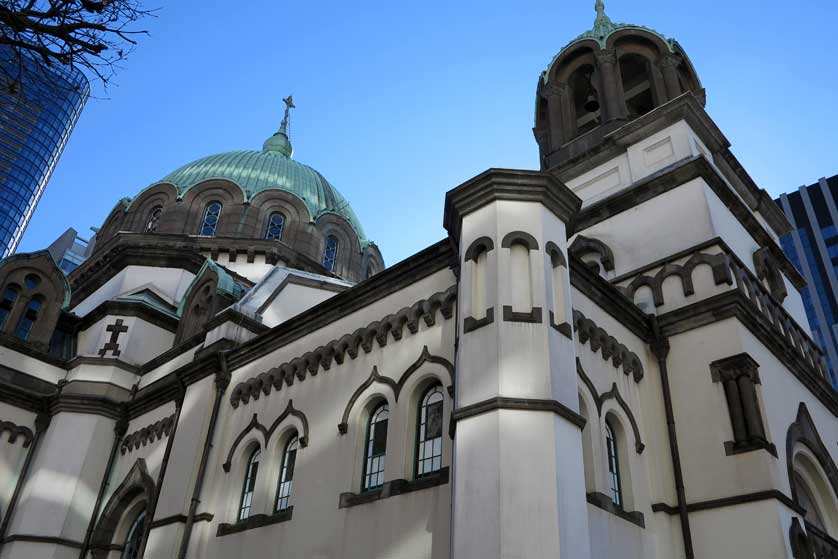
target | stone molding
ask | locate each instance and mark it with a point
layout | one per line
(520, 237)
(254, 521)
(396, 387)
(35, 538)
(394, 487)
(14, 430)
(267, 432)
(735, 500)
(136, 482)
(718, 262)
(532, 317)
(347, 345)
(583, 245)
(482, 244)
(613, 393)
(522, 404)
(604, 502)
(470, 324)
(803, 431)
(611, 349)
(141, 437)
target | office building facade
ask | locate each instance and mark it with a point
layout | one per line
(36, 120)
(812, 245)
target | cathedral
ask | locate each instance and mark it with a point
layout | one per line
(606, 357)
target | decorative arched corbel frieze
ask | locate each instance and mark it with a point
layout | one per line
(426, 357)
(136, 482)
(519, 237)
(556, 256)
(719, 263)
(14, 430)
(481, 244)
(583, 245)
(614, 393)
(290, 410)
(600, 341)
(254, 424)
(803, 431)
(148, 434)
(374, 377)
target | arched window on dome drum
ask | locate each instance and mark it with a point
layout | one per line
(638, 87)
(276, 224)
(429, 432)
(375, 448)
(330, 254)
(30, 316)
(153, 219)
(209, 223)
(31, 281)
(286, 474)
(613, 465)
(249, 484)
(135, 538)
(7, 304)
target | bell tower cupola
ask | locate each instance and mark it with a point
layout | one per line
(606, 77)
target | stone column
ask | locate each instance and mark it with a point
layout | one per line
(518, 480)
(562, 126)
(669, 68)
(612, 103)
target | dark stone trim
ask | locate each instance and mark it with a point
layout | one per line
(181, 519)
(609, 299)
(523, 404)
(534, 316)
(604, 502)
(804, 431)
(556, 257)
(614, 393)
(374, 377)
(33, 538)
(103, 361)
(426, 357)
(611, 349)
(76, 403)
(565, 329)
(393, 488)
(30, 350)
(732, 448)
(470, 324)
(715, 241)
(733, 501)
(141, 437)
(733, 304)
(238, 318)
(137, 309)
(583, 245)
(269, 431)
(254, 424)
(480, 244)
(16, 431)
(520, 237)
(255, 521)
(676, 175)
(508, 184)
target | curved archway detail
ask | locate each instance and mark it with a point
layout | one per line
(254, 424)
(136, 482)
(374, 377)
(803, 431)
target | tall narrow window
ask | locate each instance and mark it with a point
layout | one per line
(613, 465)
(376, 448)
(7, 303)
(276, 224)
(330, 255)
(30, 315)
(153, 220)
(209, 223)
(429, 432)
(739, 376)
(249, 484)
(135, 538)
(286, 474)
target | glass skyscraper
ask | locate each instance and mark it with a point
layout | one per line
(35, 122)
(812, 246)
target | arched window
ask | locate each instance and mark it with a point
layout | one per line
(808, 502)
(375, 448)
(7, 303)
(276, 224)
(153, 219)
(613, 465)
(30, 315)
(330, 255)
(135, 538)
(286, 474)
(638, 87)
(209, 223)
(429, 432)
(249, 484)
(31, 281)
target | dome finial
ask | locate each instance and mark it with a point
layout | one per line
(602, 24)
(279, 142)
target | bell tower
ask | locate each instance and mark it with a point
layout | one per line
(602, 80)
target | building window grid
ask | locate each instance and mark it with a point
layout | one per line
(276, 225)
(154, 220)
(330, 254)
(209, 223)
(249, 484)
(375, 448)
(27, 321)
(7, 303)
(429, 432)
(613, 466)
(286, 474)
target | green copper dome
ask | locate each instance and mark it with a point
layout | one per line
(269, 169)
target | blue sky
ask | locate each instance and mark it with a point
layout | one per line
(399, 102)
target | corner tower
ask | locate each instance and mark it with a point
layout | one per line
(604, 78)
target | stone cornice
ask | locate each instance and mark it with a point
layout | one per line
(127, 308)
(508, 184)
(238, 318)
(674, 176)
